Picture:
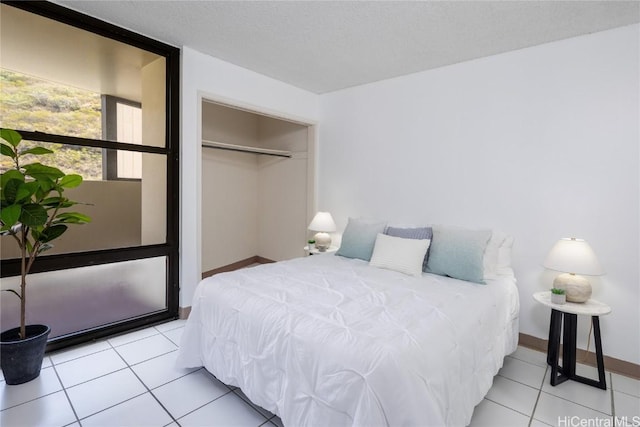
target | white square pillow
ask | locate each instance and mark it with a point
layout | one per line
(399, 254)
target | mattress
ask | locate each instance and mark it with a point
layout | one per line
(331, 341)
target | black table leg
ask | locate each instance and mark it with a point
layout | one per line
(557, 374)
(602, 382)
(569, 344)
(568, 323)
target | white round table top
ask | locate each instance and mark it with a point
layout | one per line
(587, 308)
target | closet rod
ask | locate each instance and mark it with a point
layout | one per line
(245, 149)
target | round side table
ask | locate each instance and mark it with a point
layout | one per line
(564, 321)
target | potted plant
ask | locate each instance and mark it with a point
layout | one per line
(32, 203)
(558, 296)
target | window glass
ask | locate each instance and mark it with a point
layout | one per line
(124, 213)
(129, 125)
(35, 104)
(79, 82)
(85, 161)
(87, 297)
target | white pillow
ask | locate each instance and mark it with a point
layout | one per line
(398, 254)
(497, 255)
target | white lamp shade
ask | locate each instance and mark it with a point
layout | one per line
(323, 221)
(575, 256)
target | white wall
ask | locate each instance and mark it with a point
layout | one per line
(542, 143)
(229, 188)
(205, 76)
(283, 191)
(229, 207)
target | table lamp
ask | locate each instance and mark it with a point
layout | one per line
(322, 223)
(573, 257)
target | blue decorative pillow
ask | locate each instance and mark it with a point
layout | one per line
(420, 233)
(359, 238)
(458, 253)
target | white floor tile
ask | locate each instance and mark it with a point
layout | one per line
(46, 362)
(132, 336)
(77, 352)
(627, 406)
(89, 367)
(140, 411)
(538, 423)
(99, 394)
(513, 395)
(229, 411)
(160, 370)
(491, 414)
(174, 335)
(145, 349)
(551, 409)
(582, 394)
(531, 356)
(590, 372)
(164, 327)
(625, 384)
(46, 383)
(189, 392)
(51, 410)
(523, 372)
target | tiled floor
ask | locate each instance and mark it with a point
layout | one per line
(130, 380)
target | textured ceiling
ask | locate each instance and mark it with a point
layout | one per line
(323, 46)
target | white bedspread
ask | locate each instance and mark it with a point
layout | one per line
(330, 341)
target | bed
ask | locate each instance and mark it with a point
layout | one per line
(333, 341)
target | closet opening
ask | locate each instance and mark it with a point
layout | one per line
(257, 187)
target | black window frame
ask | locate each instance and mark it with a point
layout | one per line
(169, 249)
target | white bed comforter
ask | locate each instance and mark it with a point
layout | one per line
(330, 341)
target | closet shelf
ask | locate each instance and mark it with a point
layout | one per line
(245, 149)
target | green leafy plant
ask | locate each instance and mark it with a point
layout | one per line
(557, 291)
(311, 242)
(32, 201)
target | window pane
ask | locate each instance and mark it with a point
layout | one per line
(123, 213)
(85, 161)
(35, 104)
(128, 127)
(53, 76)
(81, 298)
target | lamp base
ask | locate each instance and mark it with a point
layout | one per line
(577, 288)
(323, 241)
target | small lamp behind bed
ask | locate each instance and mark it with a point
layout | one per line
(322, 223)
(573, 257)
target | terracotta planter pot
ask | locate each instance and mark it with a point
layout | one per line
(21, 360)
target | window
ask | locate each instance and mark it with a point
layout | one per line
(106, 101)
(122, 121)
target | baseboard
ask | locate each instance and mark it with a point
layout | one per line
(185, 311)
(237, 265)
(611, 364)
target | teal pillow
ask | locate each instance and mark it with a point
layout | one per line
(359, 238)
(458, 253)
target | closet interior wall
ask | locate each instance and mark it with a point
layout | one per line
(252, 204)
